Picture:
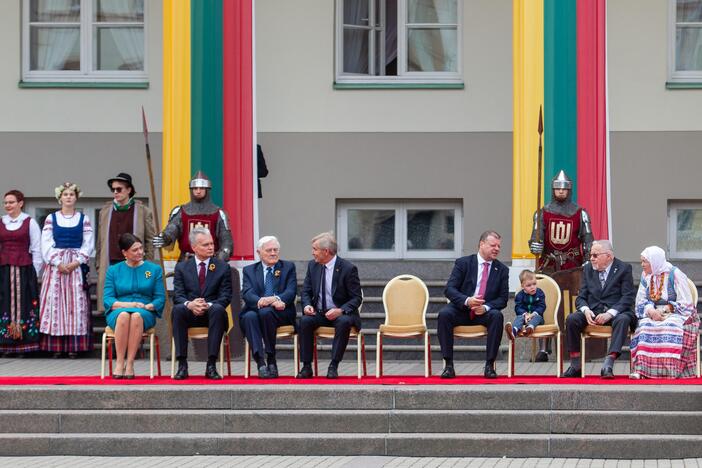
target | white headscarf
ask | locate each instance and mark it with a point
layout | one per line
(656, 257)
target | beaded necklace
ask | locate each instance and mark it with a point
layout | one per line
(656, 293)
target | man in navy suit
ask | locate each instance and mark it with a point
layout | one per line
(203, 290)
(478, 290)
(269, 293)
(606, 297)
(331, 296)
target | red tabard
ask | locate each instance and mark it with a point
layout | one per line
(208, 221)
(14, 245)
(561, 236)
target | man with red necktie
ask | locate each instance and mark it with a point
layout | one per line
(477, 289)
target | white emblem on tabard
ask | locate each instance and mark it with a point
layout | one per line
(560, 232)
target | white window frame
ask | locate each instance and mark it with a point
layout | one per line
(403, 76)
(87, 54)
(677, 76)
(401, 251)
(673, 208)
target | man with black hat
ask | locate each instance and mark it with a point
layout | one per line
(122, 214)
(200, 212)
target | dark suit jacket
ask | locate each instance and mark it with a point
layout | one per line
(618, 292)
(464, 279)
(284, 286)
(218, 282)
(346, 288)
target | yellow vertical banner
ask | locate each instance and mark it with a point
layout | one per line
(176, 108)
(528, 96)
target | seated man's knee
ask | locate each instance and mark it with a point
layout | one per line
(307, 322)
(496, 315)
(574, 319)
(179, 311)
(266, 313)
(623, 319)
(216, 312)
(248, 316)
(343, 322)
(446, 315)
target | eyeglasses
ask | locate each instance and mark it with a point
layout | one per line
(595, 255)
(117, 189)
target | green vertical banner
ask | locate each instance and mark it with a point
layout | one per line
(206, 92)
(560, 92)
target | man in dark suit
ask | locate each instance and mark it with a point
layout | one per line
(478, 290)
(269, 291)
(331, 296)
(203, 290)
(606, 297)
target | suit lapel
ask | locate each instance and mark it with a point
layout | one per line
(276, 276)
(613, 269)
(209, 275)
(335, 276)
(192, 266)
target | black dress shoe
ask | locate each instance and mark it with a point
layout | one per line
(607, 373)
(572, 372)
(305, 372)
(182, 373)
(263, 372)
(211, 372)
(448, 373)
(490, 373)
(273, 370)
(332, 373)
(541, 356)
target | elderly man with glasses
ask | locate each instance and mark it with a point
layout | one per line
(606, 297)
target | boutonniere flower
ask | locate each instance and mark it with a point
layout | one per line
(212, 267)
(147, 274)
(276, 273)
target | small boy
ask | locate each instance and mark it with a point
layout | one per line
(529, 305)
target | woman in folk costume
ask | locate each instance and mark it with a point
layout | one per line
(664, 343)
(20, 263)
(66, 246)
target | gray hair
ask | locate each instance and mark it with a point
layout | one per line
(198, 231)
(326, 241)
(489, 233)
(605, 244)
(265, 240)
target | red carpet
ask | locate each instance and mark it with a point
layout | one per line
(387, 380)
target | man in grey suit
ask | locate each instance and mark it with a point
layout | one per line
(606, 297)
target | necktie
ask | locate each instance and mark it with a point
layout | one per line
(201, 276)
(323, 285)
(268, 283)
(483, 280)
(603, 278)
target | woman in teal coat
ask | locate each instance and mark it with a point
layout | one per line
(134, 297)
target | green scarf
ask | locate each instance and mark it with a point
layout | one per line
(126, 207)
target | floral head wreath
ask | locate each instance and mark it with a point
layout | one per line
(66, 186)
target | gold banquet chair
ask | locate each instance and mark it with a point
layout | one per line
(328, 333)
(469, 331)
(405, 299)
(285, 331)
(695, 298)
(108, 337)
(550, 328)
(199, 333)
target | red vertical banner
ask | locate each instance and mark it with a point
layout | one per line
(238, 125)
(593, 141)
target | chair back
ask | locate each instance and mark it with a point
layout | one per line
(553, 298)
(405, 299)
(693, 291)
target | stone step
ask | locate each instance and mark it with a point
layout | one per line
(500, 397)
(348, 421)
(614, 446)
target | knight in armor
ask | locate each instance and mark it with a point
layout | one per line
(200, 212)
(561, 236)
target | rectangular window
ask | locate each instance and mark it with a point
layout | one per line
(685, 55)
(83, 41)
(685, 229)
(407, 41)
(399, 229)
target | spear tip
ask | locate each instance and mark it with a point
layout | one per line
(144, 127)
(541, 122)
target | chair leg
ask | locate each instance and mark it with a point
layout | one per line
(109, 352)
(296, 356)
(314, 356)
(429, 352)
(378, 355)
(158, 355)
(363, 353)
(582, 356)
(151, 356)
(102, 361)
(247, 359)
(559, 356)
(221, 357)
(173, 358)
(698, 356)
(359, 338)
(228, 351)
(510, 358)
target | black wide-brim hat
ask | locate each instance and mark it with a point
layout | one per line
(121, 177)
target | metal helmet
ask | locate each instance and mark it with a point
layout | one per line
(561, 181)
(200, 180)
